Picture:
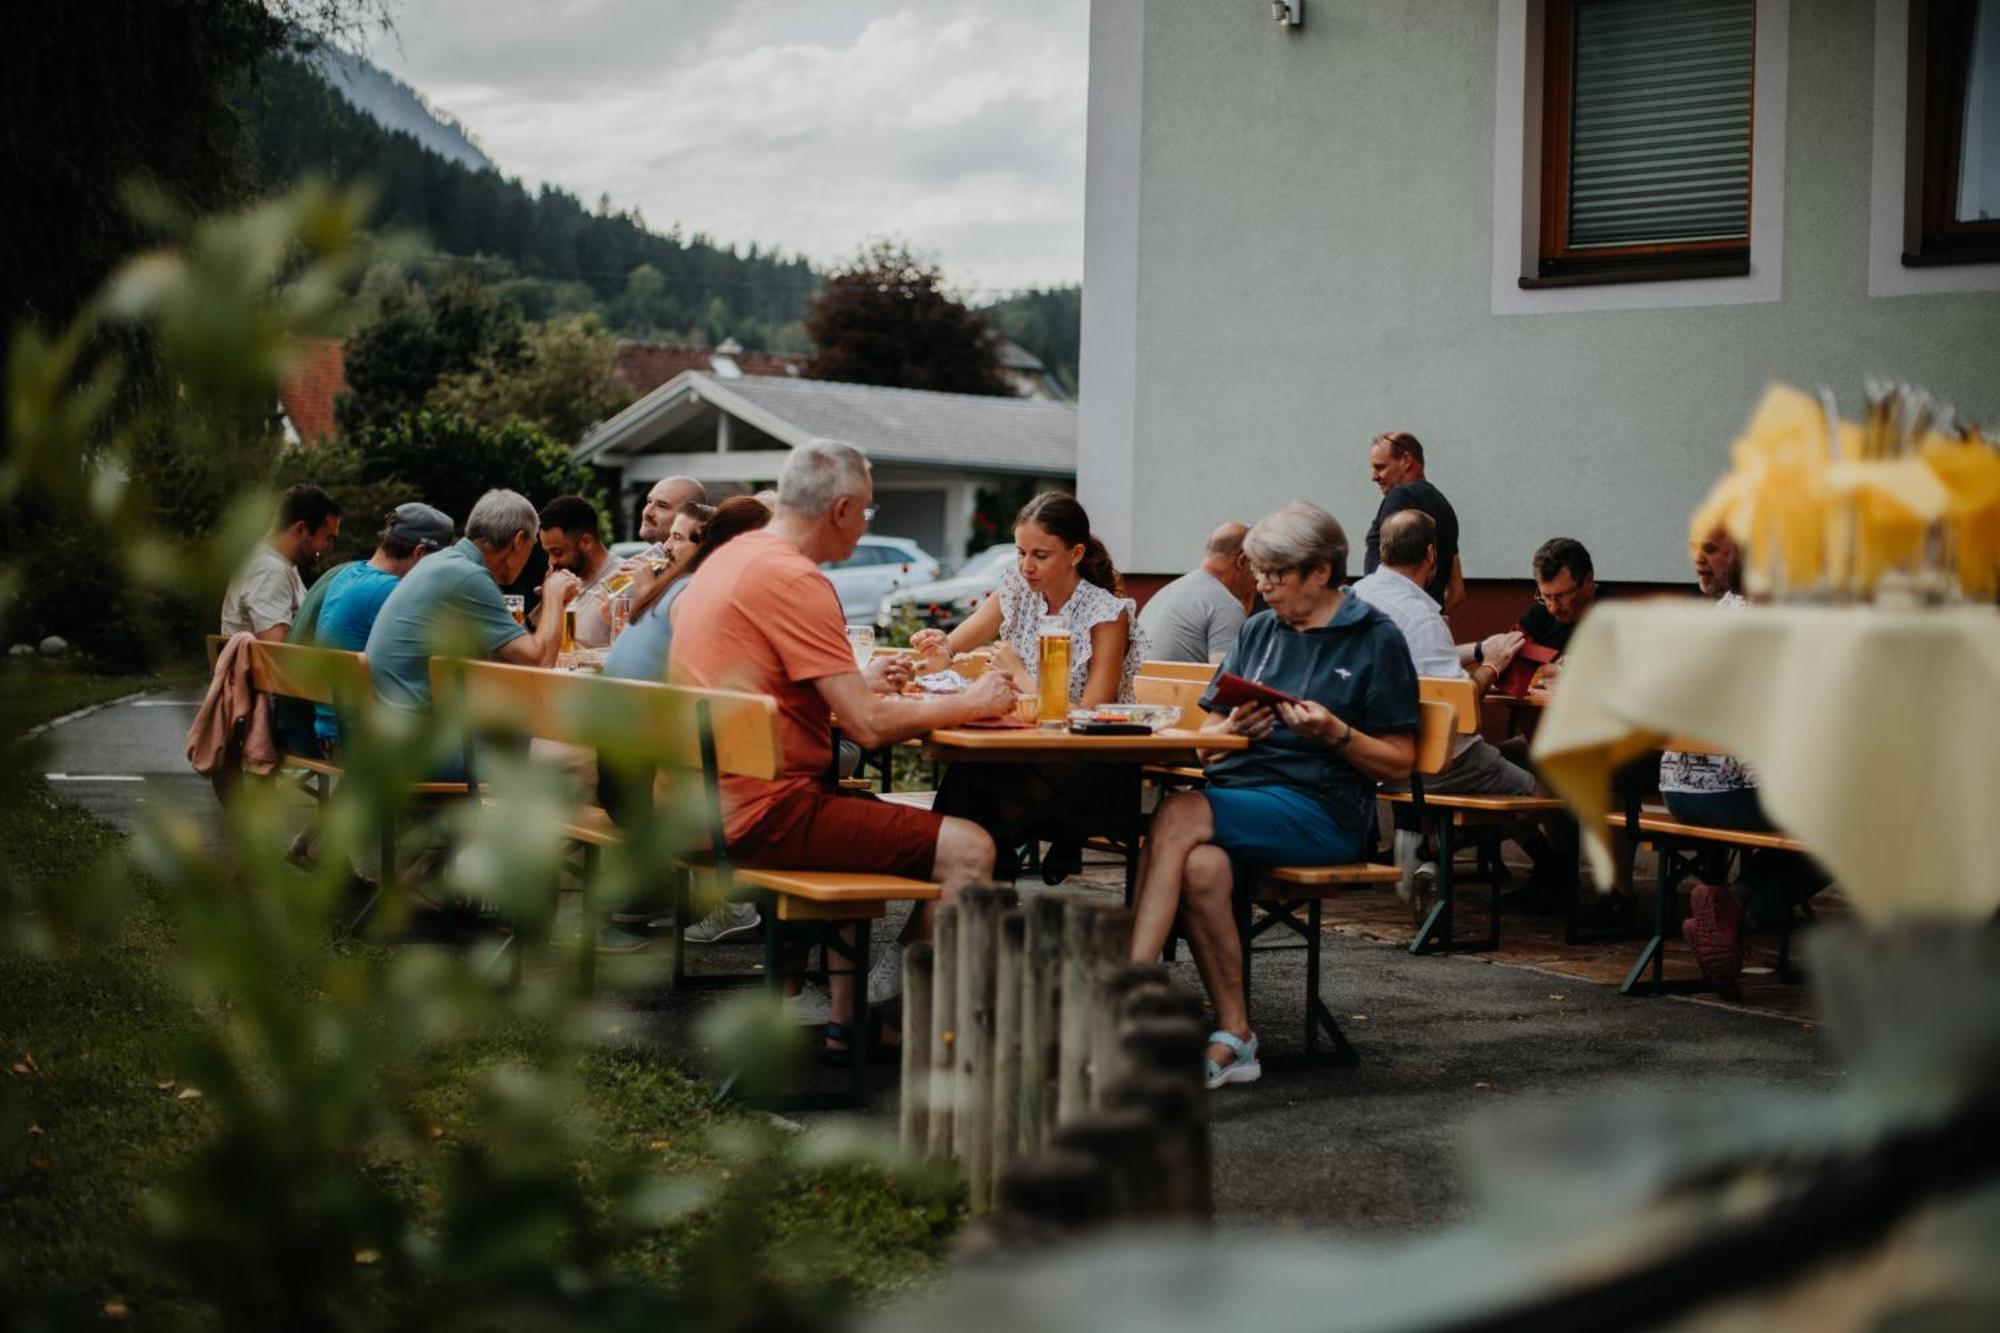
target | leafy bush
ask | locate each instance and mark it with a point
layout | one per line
(449, 460)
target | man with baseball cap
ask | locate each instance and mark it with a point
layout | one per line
(342, 606)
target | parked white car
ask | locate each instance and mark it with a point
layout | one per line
(878, 567)
(948, 601)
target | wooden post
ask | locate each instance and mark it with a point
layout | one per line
(972, 1120)
(918, 965)
(1073, 1073)
(1110, 941)
(1063, 1189)
(1008, 1063)
(1169, 1050)
(1041, 989)
(1179, 1116)
(1127, 1143)
(943, 1089)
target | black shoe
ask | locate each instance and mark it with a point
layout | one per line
(1062, 860)
(1540, 895)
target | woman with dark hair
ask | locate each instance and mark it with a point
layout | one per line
(1062, 571)
(641, 651)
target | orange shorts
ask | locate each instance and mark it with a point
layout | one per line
(818, 829)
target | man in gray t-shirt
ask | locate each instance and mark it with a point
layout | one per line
(1196, 617)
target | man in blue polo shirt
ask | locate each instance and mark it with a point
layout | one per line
(451, 602)
(340, 610)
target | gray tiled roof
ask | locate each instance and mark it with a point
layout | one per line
(917, 426)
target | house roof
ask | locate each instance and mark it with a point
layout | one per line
(645, 366)
(307, 393)
(914, 426)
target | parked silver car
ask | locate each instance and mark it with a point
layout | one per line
(948, 601)
(878, 567)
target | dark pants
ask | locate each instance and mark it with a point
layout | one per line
(1774, 882)
(1059, 802)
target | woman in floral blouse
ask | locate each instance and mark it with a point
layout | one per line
(1063, 571)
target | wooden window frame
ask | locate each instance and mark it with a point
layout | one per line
(1940, 64)
(1561, 265)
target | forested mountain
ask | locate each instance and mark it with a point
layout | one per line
(551, 253)
(544, 251)
(396, 105)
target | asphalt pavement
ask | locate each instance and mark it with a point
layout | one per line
(1371, 1152)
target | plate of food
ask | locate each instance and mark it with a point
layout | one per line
(1125, 717)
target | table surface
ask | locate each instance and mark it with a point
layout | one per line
(1033, 745)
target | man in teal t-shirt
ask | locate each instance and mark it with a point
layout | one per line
(452, 599)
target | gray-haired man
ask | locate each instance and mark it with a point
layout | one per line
(455, 595)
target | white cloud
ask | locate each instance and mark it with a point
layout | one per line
(808, 126)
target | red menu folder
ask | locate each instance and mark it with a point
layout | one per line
(1520, 672)
(1232, 689)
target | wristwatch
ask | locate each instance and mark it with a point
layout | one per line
(1479, 652)
(1345, 736)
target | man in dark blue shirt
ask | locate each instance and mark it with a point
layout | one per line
(1396, 462)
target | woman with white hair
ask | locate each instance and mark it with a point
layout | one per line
(1303, 793)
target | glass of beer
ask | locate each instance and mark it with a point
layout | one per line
(517, 607)
(861, 642)
(1052, 674)
(617, 583)
(620, 608)
(569, 629)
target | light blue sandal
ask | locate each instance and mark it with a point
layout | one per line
(1243, 1069)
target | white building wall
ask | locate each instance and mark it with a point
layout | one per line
(1291, 245)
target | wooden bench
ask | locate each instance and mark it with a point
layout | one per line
(1278, 896)
(1486, 816)
(339, 680)
(1199, 672)
(699, 737)
(1687, 849)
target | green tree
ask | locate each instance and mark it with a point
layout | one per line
(450, 460)
(889, 320)
(416, 339)
(563, 381)
(1048, 323)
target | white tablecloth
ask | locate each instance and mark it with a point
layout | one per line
(1875, 736)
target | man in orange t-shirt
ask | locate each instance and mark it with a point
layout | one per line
(760, 616)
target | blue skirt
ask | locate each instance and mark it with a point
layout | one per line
(1279, 826)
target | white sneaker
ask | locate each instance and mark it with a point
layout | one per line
(725, 922)
(1423, 891)
(1408, 844)
(809, 1007)
(885, 974)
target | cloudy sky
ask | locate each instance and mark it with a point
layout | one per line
(805, 125)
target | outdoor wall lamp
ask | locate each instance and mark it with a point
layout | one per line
(1291, 13)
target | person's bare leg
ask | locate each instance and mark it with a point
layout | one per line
(1210, 920)
(1182, 823)
(964, 856)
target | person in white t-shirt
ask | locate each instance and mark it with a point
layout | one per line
(264, 597)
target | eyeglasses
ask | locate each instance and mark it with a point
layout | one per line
(1563, 596)
(1270, 577)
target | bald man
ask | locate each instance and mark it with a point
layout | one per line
(1196, 617)
(652, 569)
(664, 501)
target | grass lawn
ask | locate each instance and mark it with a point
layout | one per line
(92, 1116)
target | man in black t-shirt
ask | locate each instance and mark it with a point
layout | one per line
(1396, 462)
(1565, 588)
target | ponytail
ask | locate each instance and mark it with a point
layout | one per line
(1096, 566)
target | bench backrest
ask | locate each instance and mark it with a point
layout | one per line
(319, 675)
(1201, 671)
(580, 708)
(1437, 723)
(1173, 692)
(1458, 693)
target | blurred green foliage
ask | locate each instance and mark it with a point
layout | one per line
(355, 1135)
